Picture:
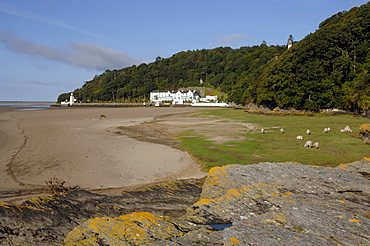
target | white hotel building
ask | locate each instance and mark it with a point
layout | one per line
(174, 97)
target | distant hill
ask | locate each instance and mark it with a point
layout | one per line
(327, 69)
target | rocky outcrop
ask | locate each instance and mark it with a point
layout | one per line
(364, 133)
(46, 220)
(288, 204)
(262, 204)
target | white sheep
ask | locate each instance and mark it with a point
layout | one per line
(299, 137)
(346, 129)
(326, 130)
(308, 144)
(281, 130)
(263, 131)
(308, 132)
(316, 145)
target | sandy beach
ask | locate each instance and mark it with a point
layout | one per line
(87, 147)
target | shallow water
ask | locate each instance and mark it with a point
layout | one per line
(20, 106)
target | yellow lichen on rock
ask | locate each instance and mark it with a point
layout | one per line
(234, 241)
(203, 201)
(279, 218)
(5, 204)
(234, 192)
(365, 128)
(343, 166)
(219, 170)
(38, 202)
(132, 229)
(354, 220)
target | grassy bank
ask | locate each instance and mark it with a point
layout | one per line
(252, 146)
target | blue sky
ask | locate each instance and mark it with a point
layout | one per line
(48, 47)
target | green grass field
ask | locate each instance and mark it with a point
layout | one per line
(336, 147)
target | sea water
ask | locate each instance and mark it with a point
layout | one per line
(20, 106)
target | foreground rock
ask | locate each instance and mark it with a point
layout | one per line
(288, 204)
(261, 204)
(46, 220)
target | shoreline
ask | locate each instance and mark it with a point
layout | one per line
(81, 147)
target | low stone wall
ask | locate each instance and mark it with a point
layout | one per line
(104, 105)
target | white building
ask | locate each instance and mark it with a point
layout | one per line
(174, 97)
(71, 101)
(208, 99)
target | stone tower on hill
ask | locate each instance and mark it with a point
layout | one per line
(290, 41)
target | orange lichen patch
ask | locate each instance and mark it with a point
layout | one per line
(365, 128)
(136, 228)
(287, 194)
(343, 166)
(214, 178)
(354, 220)
(341, 201)
(234, 241)
(14, 208)
(203, 202)
(234, 192)
(267, 221)
(213, 181)
(314, 166)
(367, 159)
(245, 192)
(5, 205)
(38, 202)
(340, 216)
(274, 194)
(279, 218)
(219, 170)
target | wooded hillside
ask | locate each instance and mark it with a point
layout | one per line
(327, 69)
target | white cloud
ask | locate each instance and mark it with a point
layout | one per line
(26, 14)
(232, 39)
(84, 54)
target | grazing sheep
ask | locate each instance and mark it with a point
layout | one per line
(299, 137)
(326, 130)
(316, 145)
(263, 131)
(308, 144)
(281, 130)
(308, 132)
(346, 129)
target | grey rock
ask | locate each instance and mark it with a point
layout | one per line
(46, 220)
(287, 204)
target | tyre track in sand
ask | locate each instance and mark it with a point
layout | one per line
(9, 165)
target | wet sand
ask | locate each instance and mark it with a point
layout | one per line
(86, 147)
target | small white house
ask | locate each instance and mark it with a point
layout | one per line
(208, 99)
